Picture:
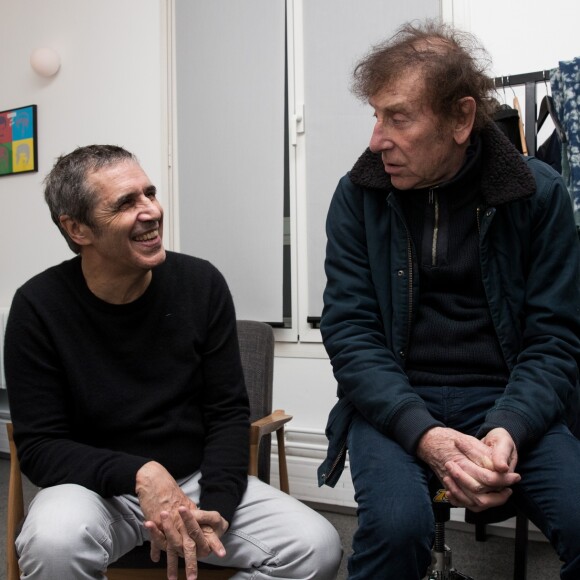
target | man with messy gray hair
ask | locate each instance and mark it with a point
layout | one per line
(451, 312)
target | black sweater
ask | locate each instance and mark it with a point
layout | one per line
(97, 390)
(453, 340)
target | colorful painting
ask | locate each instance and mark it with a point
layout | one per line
(18, 151)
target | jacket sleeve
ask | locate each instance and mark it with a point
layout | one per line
(352, 324)
(544, 378)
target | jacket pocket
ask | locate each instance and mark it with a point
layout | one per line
(337, 428)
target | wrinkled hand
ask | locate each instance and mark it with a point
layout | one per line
(199, 528)
(476, 474)
(174, 523)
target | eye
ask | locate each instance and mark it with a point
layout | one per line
(124, 204)
(398, 120)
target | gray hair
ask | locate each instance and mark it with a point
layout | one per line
(452, 63)
(68, 190)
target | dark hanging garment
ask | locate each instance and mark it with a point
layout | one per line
(550, 151)
(508, 120)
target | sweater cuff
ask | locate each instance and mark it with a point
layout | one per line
(513, 423)
(223, 503)
(409, 425)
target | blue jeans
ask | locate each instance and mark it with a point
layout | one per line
(395, 518)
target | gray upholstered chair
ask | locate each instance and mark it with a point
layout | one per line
(257, 352)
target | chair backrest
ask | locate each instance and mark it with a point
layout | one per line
(256, 341)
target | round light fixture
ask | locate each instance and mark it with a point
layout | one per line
(45, 61)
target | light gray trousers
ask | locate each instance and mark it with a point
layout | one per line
(72, 533)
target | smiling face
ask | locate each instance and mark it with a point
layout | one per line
(417, 149)
(126, 239)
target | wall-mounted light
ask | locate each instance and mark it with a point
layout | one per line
(45, 61)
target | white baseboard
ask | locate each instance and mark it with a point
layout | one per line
(4, 448)
(303, 483)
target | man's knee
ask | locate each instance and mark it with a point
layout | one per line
(399, 524)
(67, 527)
(319, 550)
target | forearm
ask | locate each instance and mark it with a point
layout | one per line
(224, 467)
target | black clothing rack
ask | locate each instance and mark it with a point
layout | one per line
(529, 80)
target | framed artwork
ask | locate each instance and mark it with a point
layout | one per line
(18, 144)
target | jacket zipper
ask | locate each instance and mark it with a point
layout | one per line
(332, 469)
(410, 287)
(434, 201)
(403, 353)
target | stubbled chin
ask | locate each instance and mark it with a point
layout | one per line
(161, 254)
(155, 258)
(401, 183)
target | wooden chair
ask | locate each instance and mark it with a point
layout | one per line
(257, 352)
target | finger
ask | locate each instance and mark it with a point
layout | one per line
(490, 500)
(174, 545)
(477, 479)
(470, 478)
(504, 455)
(214, 542)
(157, 540)
(172, 535)
(454, 494)
(475, 502)
(172, 565)
(190, 557)
(210, 522)
(476, 451)
(195, 532)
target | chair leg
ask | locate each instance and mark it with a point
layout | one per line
(480, 532)
(521, 548)
(282, 466)
(15, 508)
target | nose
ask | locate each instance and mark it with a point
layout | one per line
(380, 138)
(151, 209)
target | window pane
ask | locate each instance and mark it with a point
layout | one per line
(230, 63)
(338, 126)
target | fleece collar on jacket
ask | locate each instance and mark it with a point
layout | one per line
(504, 173)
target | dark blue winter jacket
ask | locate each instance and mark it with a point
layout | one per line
(530, 262)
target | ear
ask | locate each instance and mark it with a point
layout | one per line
(79, 233)
(464, 121)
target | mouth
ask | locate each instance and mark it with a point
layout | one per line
(147, 236)
(392, 168)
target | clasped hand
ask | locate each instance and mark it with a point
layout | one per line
(477, 474)
(174, 522)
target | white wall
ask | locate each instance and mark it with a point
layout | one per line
(110, 89)
(522, 35)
